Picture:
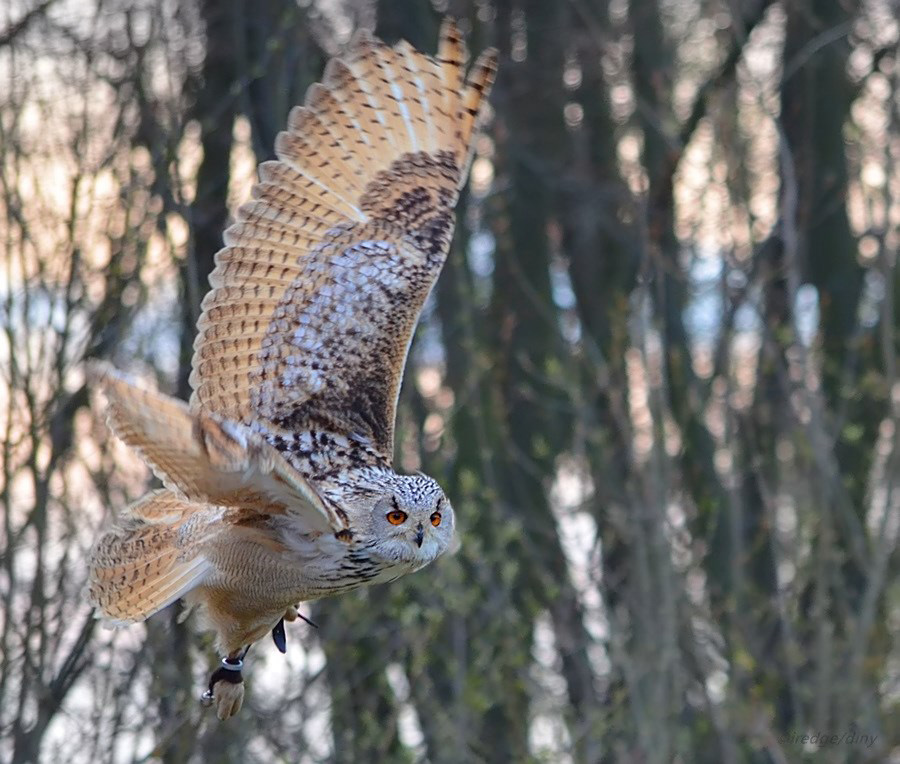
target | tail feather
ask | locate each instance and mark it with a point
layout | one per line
(151, 557)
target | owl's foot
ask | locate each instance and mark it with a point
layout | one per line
(226, 688)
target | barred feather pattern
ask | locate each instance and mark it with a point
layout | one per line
(151, 557)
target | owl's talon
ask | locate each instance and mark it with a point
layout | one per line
(279, 637)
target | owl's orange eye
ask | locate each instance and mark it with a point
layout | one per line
(396, 517)
(436, 519)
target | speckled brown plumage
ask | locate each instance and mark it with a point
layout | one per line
(278, 479)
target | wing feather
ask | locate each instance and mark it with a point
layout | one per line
(451, 57)
(205, 459)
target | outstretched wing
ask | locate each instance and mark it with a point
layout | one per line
(319, 287)
(203, 458)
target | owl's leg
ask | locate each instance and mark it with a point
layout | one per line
(226, 685)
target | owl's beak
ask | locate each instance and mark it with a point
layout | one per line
(420, 535)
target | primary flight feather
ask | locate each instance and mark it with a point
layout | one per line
(278, 484)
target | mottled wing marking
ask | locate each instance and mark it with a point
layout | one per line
(201, 457)
(334, 355)
(151, 557)
(316, 295)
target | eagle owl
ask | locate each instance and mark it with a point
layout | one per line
(278, 484)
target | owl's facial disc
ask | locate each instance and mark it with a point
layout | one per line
(417, 524)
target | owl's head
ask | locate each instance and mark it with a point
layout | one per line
(411, 521)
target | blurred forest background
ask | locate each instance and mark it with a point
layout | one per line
(658, 379)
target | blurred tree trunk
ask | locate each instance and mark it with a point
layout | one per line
(652, 67)
(279, 59)
(601, 247)
(531, 375)
(740, 568)
(659, 683)
(816, 98)
(215, 110)
(411, 20)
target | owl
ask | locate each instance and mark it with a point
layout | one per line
(278, 478)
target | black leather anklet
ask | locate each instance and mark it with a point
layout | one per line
(229, 671)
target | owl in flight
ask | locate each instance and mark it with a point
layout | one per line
(278, 484)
